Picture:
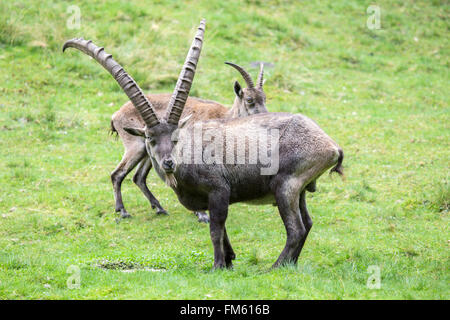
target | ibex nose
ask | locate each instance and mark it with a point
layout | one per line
(168, 165)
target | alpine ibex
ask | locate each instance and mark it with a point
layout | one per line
(250, 100)
(303, 150)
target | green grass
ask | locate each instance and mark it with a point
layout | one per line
(381, 94)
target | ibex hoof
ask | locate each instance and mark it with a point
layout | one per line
(123, 214)
(161, 211)
(219, 266)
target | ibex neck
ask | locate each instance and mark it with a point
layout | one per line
(234, 111)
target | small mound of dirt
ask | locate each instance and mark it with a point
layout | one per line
(125, 266)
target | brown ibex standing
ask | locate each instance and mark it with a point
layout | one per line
(301, 153)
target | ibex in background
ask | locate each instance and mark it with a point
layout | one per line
(304, 152)
(250, 100)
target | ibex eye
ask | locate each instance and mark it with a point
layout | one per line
(249, 101)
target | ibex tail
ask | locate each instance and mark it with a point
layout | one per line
(338, 167)
(113, 130)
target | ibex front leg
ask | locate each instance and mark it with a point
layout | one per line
(140, 179)
(218, 211)
(228, 250)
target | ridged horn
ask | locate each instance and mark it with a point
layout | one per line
(260, 80)
(245, 74)
(184, 83)
(126, 82)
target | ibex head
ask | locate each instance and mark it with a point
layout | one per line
(159, 139)
(250, 100)
(157, 132)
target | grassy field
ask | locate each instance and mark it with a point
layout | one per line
(381, 94)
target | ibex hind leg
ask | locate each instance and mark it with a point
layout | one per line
(316, 171)
(140, 179)
(287, 196)
(306, 219)
(129, 161)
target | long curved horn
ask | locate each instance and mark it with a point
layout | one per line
(245, 75)
(260, 80)
(126, 82)
(184, 83)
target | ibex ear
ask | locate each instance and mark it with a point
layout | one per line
(238, 89)
(135, 131)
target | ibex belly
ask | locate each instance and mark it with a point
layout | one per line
(267, 199)
(249, 185)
